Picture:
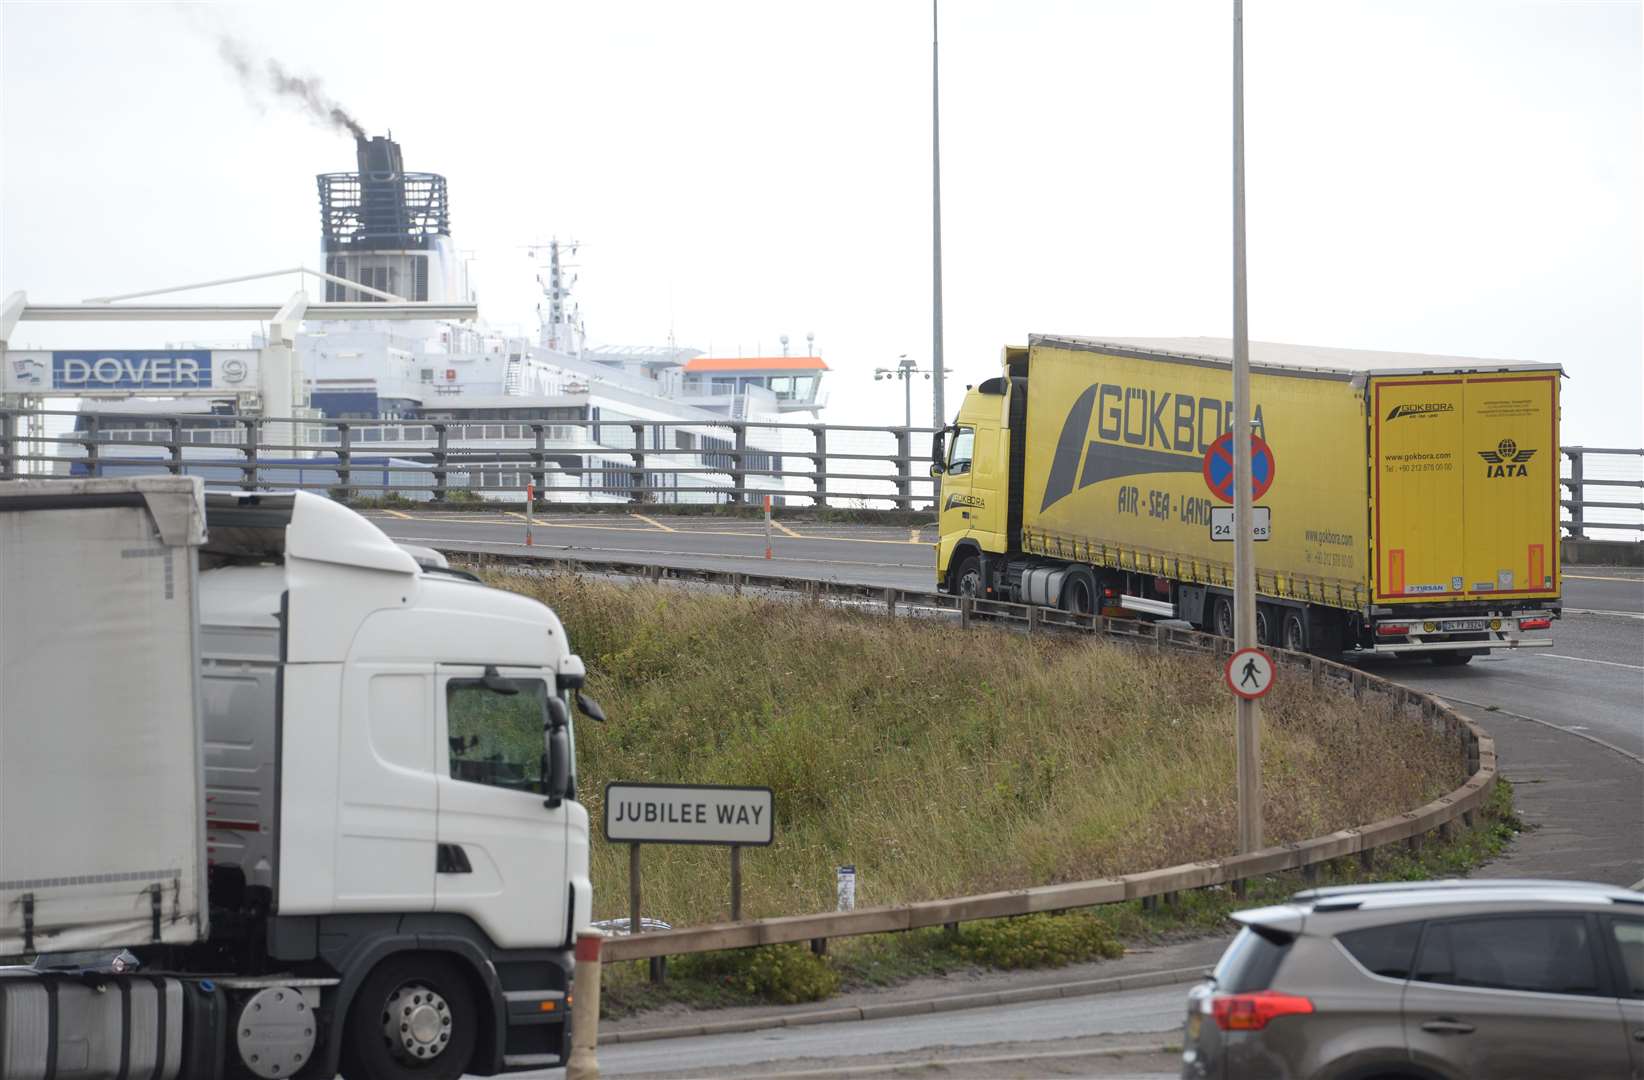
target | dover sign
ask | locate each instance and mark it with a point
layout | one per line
(169, 371)
(688, 814)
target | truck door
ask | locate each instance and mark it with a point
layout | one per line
(972, 489)
(1512, 464)
(501, 851)
(1418, 490)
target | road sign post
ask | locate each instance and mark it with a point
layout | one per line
(1248, 728)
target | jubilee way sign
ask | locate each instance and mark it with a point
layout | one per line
(736, 817)
(688, 814)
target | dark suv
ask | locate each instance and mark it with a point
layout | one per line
(1444, 980)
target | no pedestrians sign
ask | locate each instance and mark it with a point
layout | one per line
(1249, 673)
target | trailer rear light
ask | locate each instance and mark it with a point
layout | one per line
(1537, 623)
(1252, 1012)
(1392, 629)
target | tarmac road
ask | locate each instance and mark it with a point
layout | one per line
(1018, 1041)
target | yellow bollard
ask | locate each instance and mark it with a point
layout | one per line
(585, 1008)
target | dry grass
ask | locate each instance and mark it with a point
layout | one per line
(943, 763)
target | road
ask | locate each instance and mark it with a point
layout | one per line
(1072, 1037)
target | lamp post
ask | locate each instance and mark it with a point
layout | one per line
(905, 370)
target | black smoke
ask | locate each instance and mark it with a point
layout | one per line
(270, 76)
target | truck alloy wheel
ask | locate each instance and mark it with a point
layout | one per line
(967, 579)
(413, 1017)
(416, 1023)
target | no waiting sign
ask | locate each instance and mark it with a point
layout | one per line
(688, 814)
(1218, 467)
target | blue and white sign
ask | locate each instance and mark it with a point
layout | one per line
(131, 369)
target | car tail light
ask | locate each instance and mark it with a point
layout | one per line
(1392, 629)
(1252, 1012)
(1535, 624)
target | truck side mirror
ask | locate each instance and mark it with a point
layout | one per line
(556, 751)
(936, 469)
(590, 708)
(559, 768)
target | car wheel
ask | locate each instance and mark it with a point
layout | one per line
(414, 1018)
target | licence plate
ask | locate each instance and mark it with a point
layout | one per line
(1464, 624)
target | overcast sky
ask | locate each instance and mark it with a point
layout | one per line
(1435, 176)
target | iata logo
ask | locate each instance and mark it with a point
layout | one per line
(1506, 459)
(1429, 408)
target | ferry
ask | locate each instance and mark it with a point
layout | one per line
(385, 234)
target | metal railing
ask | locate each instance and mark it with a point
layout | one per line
(619, 460)
(622, 460)
(1603, 518)
(1475, 750)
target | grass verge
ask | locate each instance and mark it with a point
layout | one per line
(945, 763)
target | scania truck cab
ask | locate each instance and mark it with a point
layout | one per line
(277, 797)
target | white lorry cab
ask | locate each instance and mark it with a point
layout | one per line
(278, 797)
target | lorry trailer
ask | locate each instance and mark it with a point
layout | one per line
(278, 797)
(1412, 504)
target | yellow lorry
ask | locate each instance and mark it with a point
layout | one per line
(1413, 506)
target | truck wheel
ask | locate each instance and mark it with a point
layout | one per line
(1076, 598)
(1451, 659)
(1294, 631)
(967, 577)
(414, 1018)
(1264, 625)
(1223, 617)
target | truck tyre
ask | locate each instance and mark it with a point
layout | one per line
(414, 1018)
(1077, 597)
(1452, 659)
(1222, 617)
(967, 577)
(1293, 630)
(1264, 624)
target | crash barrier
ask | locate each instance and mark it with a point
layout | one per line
(1442, 815)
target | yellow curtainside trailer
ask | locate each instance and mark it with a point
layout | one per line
(1411, 502)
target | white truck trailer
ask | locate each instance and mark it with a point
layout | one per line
(277, 796)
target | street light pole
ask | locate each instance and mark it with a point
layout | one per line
(907, 392)
(939, 413)
(1247, 737)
